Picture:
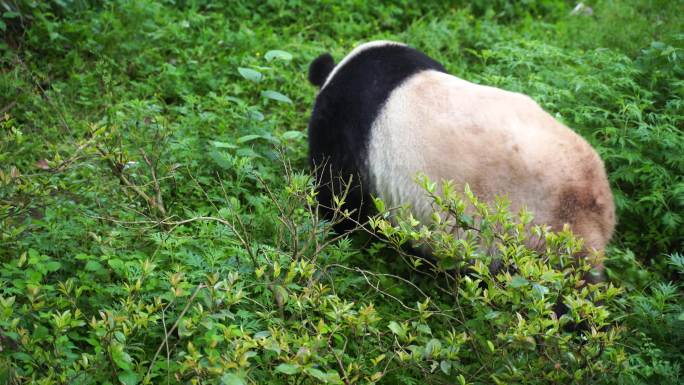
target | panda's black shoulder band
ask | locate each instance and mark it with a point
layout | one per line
(320, 68)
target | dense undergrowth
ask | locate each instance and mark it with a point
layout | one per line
(158, 222)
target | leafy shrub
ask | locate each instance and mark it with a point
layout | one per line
(157, 222)
(263, 311)
(507, 312)
(507, 10)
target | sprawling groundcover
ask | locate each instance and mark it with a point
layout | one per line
(158, 221)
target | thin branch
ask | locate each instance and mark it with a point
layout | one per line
(8, 107)
(338, 359)
(159, 201)
(118, 171)
(175, 325)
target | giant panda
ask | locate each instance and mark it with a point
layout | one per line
(387, 112)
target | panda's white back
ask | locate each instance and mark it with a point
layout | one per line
(499, 142)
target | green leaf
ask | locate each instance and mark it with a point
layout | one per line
(423, 328)
(681, 316)
(262, 334)
(22, 357)
(397, 329)
(232, 379)
(492, 314)
(445, 366)
(247, 153)
(52, 266)
(120, 357)
(291, 135)
(540, 290)
(316, 373)
(249, 138)
(272, 345)
(234, 100)
(289, 369)
(255, 115)
(250, 74)
(275, 95)
(433, 346)
(93, 266)
(129, 378)
(116, 264)
(278, 54)
(519, 281)
(218, 144)
(331, 377)
(461, 379)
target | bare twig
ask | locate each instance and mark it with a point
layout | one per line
(117, 169)
(376, 286)
(8, 107)
(345, 378)
(175, 325)
(159, 201)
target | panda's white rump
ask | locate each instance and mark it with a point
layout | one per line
(499, 142)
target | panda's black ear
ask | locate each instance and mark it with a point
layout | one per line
(320, 68)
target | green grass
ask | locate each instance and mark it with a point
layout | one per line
(157, 222)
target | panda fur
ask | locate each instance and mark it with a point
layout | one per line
(387, 112)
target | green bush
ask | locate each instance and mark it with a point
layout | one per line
(504, 293)
(157, 222)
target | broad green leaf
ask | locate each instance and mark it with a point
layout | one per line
(120, 357)
(249, 138)
(250, 74)
(275, 95)
(93, 266)
(255, 114)
(232, 379)
(120, 336)
(397, 329)
(492, 314)
(423, 328)
(218, 144)
(445, 366)
(53, 266)
(288, 369)
(129, 377)
(433, 346)
(278, 54)
(272, 345)
(22, 357)
(116, 264)
(461, 379)
(290, 135)
(541, 290)
(518, 281)
(234, 100)
(262, 334)
(331, 377)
